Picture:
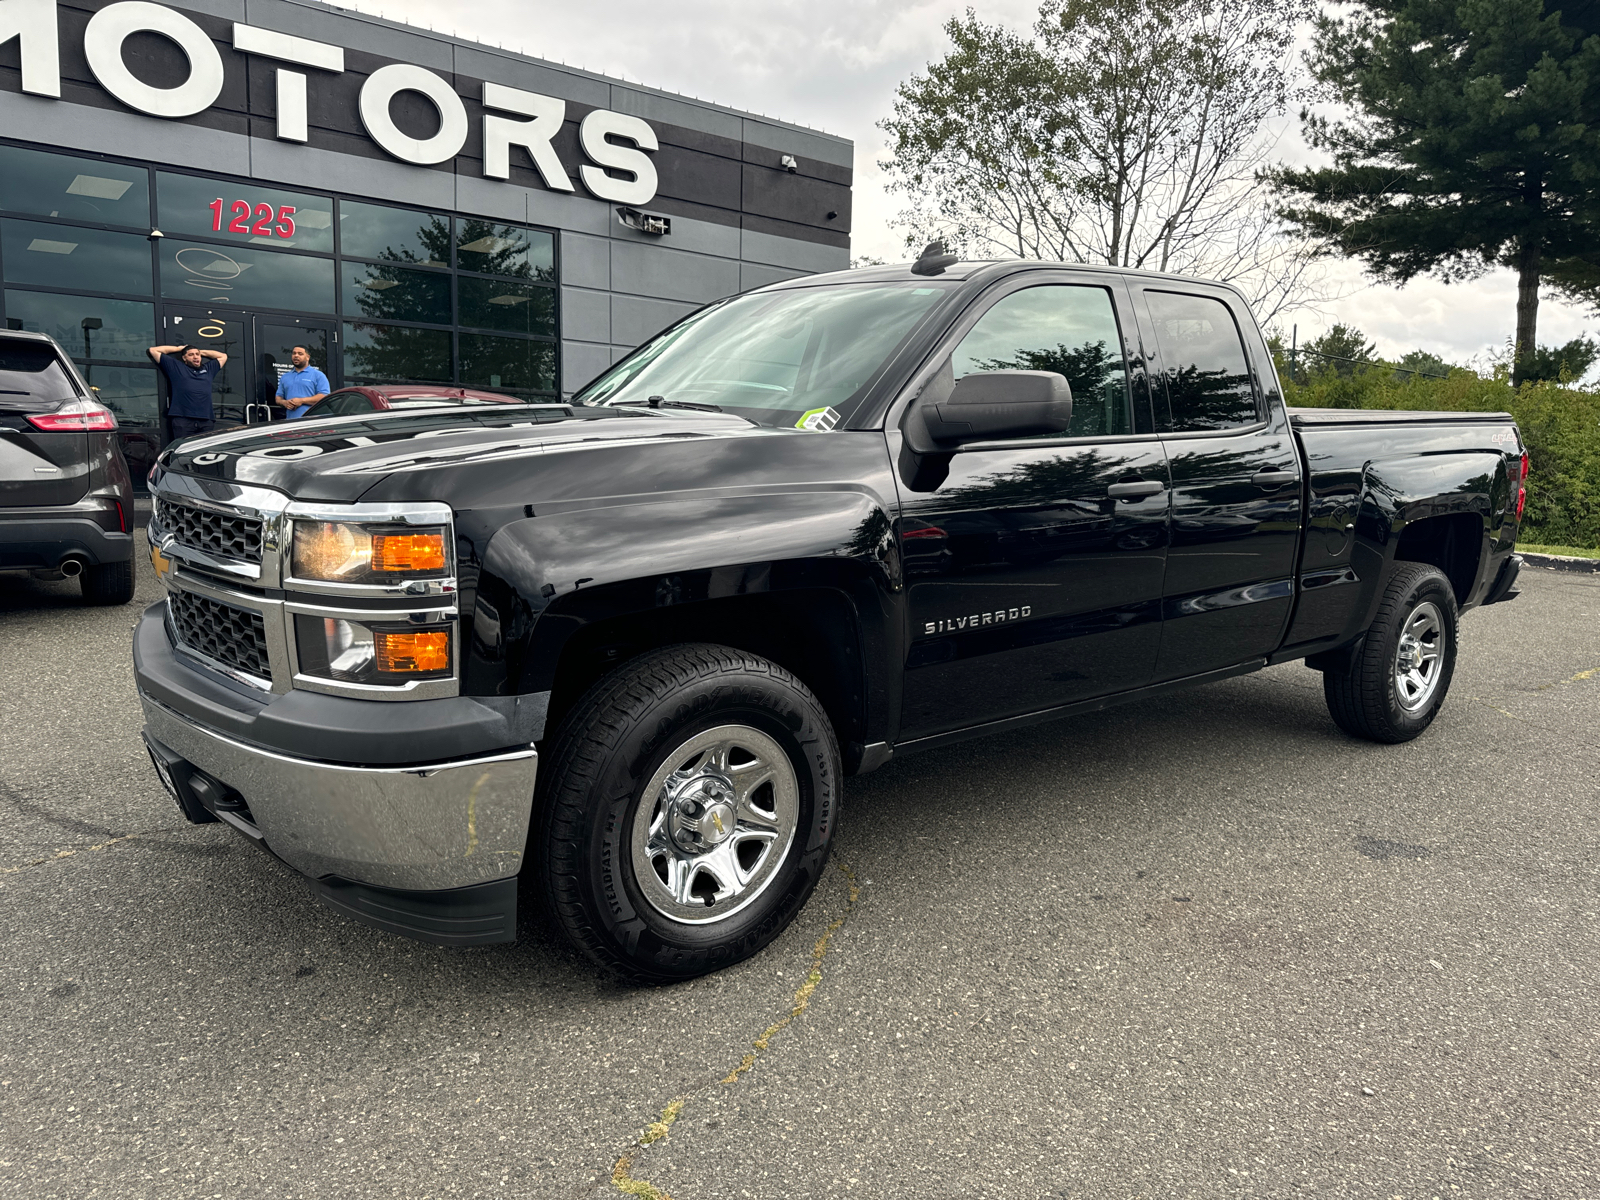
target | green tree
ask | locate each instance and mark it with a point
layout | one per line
(1122, 132)
(1473, 142)
(1421, 362)
(1341, 350)
(1562, 364)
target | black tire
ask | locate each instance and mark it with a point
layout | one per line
(1365, 692)
(111, 583)
(620, 739)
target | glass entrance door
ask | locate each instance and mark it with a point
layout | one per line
(275, 338)
(223, 330)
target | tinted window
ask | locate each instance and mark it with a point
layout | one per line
(82, 259)
(340, 404)
(494, 249)
(395, 293)
(86, 327)
(510, 306)
(31, 376)
(130, 392)
(246, 277)
(394, 353)
(496, 362)
(1071, 330)
(1207, 374)
(394, 234)
(77, 189)
(243, 212)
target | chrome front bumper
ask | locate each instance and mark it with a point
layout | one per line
(415, 828)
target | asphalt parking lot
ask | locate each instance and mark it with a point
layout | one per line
(1204, 946)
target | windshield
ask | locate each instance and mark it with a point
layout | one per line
(800, 358)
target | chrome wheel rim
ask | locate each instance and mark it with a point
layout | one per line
(714, 824)
(1419, 657)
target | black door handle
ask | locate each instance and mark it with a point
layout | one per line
(1136, 489)
(1269, 478)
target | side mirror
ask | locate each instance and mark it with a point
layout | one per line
(1001, 404)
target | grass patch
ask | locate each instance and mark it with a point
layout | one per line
(1563, 551)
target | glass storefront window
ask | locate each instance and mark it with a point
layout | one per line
(66, 256)
(395, 293)
(393, 234)
(76, 189)
(130, 392)
(493, 249)
(392, 353)
(86, 327)
(512, 363)
(508, 306)
(246, 278)
(245, 213)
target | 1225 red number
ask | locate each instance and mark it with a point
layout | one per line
(258, 220)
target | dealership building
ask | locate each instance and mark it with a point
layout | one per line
(248, 175)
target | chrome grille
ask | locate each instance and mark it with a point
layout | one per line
(233, 636)
(222, 534)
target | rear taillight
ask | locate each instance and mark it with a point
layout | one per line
(1522, 492)
(81, 416)
(1524, 466)
(122, 517)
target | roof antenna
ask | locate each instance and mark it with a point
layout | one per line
(934, 259)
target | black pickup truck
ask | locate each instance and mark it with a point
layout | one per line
(621, 652)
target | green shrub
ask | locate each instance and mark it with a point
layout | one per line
(1560, 426)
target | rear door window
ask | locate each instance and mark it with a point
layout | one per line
(1066, 328)
(1209, 386)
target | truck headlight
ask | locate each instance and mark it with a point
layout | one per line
(344, 552)
(380, 653)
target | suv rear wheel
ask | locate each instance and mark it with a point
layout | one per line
(688, 812)
(1391, 685)
(110, 583)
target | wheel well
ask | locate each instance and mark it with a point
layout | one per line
(812, 633)
(1453, 543)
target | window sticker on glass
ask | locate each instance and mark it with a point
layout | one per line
(818, 420)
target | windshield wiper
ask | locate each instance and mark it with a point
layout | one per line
(663, 402)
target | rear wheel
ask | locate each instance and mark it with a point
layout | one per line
(1390, 686)
(688, 812)
(110, 583)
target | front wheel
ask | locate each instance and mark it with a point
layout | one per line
(688, 811)
(1390, 687)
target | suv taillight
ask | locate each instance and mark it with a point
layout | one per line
(81, 416)
(1522, 492)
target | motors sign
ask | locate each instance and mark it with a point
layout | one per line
(609, 140)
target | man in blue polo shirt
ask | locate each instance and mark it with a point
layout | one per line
(190, 372)
(303, 386)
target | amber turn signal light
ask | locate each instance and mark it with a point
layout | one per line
(412, 653)
(394, 553)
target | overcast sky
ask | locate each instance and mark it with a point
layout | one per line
(834, 64)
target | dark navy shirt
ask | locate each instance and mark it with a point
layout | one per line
(190, 386)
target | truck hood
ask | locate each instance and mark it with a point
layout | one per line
(340, 458)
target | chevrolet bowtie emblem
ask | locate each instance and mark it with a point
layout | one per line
(716, 819)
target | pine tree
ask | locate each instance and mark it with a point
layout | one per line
(1474, 141)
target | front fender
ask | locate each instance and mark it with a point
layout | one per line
(544, 578)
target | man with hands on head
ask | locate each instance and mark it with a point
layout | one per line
(300, 388)
(190, 372)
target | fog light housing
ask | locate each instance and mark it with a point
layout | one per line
(375, 653)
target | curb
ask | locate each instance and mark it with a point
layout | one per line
(1561, 562)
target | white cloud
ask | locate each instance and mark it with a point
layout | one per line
(834, 64)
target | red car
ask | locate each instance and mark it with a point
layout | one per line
(353, 401)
